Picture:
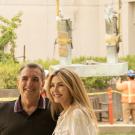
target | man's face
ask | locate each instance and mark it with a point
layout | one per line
(30, 83)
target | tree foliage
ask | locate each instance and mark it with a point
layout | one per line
(8, 35)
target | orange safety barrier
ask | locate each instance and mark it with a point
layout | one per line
(109, 92)
(110, 105)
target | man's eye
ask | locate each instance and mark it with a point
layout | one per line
(35, 79)
(24, 79)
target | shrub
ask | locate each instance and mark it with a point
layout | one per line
(131, 61)
(9, 69)
(46, 63)
(8, 75)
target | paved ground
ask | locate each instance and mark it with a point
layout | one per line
(117, 127)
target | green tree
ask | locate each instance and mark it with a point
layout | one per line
(8, 35)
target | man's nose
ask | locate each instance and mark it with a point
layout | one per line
(29, 82)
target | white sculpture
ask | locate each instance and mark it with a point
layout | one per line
(111, 22)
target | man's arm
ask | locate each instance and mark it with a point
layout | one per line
(120, 85)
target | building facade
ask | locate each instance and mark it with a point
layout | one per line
(38, 29)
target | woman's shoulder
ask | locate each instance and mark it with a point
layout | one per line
(78, 111)
(81, 116)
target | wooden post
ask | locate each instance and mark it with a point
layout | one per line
(24, 53)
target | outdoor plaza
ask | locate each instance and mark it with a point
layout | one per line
(67, 41)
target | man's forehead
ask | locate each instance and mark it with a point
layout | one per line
(30, 71)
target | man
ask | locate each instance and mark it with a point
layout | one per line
(29, 114)
(128, 96)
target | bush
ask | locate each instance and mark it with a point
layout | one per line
(131, 61)
(96, 83)
(9, 69)
(47, 63)
(8, 75)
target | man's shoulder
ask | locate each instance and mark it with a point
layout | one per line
(6, 105)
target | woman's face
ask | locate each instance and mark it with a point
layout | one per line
(60, 92)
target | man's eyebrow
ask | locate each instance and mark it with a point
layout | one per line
(23, 76)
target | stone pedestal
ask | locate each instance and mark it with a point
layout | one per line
(66, 59)
(112, 55)
(99, 69)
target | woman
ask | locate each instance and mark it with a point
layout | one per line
(68, 95)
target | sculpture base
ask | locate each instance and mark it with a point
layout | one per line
(98, 69)
(112, 55)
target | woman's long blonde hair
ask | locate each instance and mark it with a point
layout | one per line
(76, 89)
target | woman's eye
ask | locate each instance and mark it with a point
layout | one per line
(61, 85)
(51, 85)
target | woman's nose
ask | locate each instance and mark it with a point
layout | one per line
(55, 87)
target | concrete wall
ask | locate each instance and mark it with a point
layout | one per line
(131, 27)
(128, 27)
(33, 29)
(38, 29)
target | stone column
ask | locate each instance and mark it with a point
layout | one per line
(112, 55)
(64, 40)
